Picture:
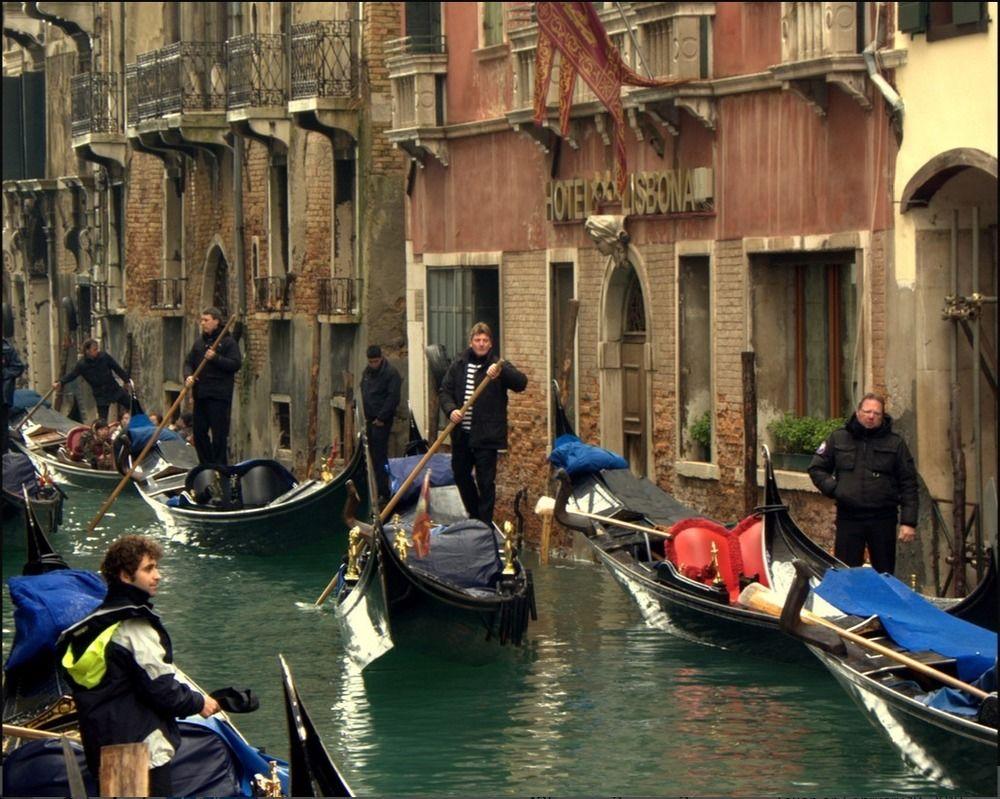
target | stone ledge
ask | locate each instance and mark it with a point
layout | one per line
(699, 470)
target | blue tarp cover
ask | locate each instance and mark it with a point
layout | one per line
(141, 429)
(24, 400)
(400, 468)
(18, 470)
(961, 703)
(911, 621)
(464, 554)
(571, 454)
(45, 605)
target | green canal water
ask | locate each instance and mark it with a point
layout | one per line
(596, 703)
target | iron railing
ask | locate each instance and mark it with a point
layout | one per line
(182, 77)
(324, 59)
(339, 295)
(413, 45)
(100, 298)
(272, 293)
(256, 70)
(167, 293)
(94, 103)
(132, 94)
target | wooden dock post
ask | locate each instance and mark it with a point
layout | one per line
(125, 770)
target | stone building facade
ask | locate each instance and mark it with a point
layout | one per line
(214, 154)
(758, 219)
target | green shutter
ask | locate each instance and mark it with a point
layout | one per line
(913, 17)
(13, 134)
(965, 13)
(34, 124)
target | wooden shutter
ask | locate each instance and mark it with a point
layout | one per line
(913, 17)
(966, 13)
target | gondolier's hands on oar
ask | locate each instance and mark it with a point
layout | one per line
(210, 708)
(492, 373)
(907, 533)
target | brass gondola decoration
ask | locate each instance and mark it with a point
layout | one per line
(271, 784)
(717, 581)
(400, 542)
(508, 550)
(355, 547)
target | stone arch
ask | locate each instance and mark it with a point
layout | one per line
(215, 284)
(939, 170)
(617, 360)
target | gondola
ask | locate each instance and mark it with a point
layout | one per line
(252, 506)
(949, 737)
(44, 757)
(24, 485)
(387, 596)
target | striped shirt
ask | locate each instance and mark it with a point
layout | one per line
(470, 387)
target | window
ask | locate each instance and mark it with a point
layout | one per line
(458, 298)
(805, 332)
(423, 28)
(562, 337)
(942, 20)
(694, 389)
(278, 227)
(281, 422)
(492, 17)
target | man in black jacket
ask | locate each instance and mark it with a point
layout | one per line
(482, 431)
(868, 470)
(213, 390)
(380, 386)
(13, 368)
(120, 663)
(99, 369)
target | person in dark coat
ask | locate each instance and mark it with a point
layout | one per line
(213, 390)
(380, 385)
(98, 368)
(13, 368)
(121, 666)
(482, 431)
(868, 471)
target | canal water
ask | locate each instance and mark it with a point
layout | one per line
(596, 703)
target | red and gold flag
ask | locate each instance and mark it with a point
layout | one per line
(421, 537)
(577, 33)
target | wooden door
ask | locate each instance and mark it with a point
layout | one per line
(634, 379)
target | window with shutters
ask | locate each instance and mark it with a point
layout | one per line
(457, 299)
(492, 23)
(942, 20)
(423, 28)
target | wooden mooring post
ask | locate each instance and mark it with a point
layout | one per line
(125, 770)
(750, 491)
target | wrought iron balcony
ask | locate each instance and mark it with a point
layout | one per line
(94, 102)
(324, 59)
(183, 77)
(272, 293)
(339, 296)
(167, 294)
(106, 298)
(257, 70)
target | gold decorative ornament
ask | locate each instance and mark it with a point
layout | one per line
(355, 546)
(717, 580)
(400, 543)
(508, 549)
(271, 784)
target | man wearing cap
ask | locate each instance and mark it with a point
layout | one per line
(380, 385)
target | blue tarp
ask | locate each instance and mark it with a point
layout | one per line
(18, 470)
(45, 605)
(141, 429)
(911, 621)
(571, 454)
(24, 400)
(464, 554)
(961, 703)
(400, 468)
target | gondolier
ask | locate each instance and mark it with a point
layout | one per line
(380, 385)
(213, 390)
(868, 470)
(98, 368)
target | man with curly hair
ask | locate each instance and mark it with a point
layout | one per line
(121, 666)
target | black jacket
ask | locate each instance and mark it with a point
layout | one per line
(215, 381)
(138, 692)
(12, 369)
(380, 392)
(870, 473)
(99, 373)
(489, 414)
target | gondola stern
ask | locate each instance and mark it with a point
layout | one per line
(564, 489)
(791, 621)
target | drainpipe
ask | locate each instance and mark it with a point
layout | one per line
(891, 96)
(955, 431)
(235, 17)
(977, 418)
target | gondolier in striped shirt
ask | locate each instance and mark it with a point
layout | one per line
(482, 431)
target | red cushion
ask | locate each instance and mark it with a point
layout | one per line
(73, 445)
(751, 549)
(692, 554)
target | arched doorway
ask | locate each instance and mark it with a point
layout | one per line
(215, 290)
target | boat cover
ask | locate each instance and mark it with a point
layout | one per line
(18, 470)
(24, 400)
(911, 621)
(45, 605)
(961, 703)
(400, 468)
(464, 554)
(639, 494)
(577, 458)
(52, 420)
(141, 429)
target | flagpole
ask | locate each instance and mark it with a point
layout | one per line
(635, 43)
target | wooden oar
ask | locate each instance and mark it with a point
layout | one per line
(548, 504)
(766, 601)
(37, 405)
(156, 435)
(416, 470)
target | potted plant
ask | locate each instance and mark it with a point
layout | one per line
(700, 433)
(796, 439)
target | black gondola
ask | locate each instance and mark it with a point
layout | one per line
(951, 742)
(24, 485)
(388, 597)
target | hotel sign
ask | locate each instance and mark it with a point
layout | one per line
(662, 192)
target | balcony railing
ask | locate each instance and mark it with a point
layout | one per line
(416, 45)
(324, 59)
(94, 101)
(167, 294)
(180, 78)
(257, 70)
(100, 298)
(339, 296)
(272, 293)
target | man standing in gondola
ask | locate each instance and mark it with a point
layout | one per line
(98, 369)
(213, 390)
(120, 663)
(380, 387)
(868, 471)
(482, 432)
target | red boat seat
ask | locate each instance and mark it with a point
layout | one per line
(691, 553)
(749, 536)
(73, 442)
